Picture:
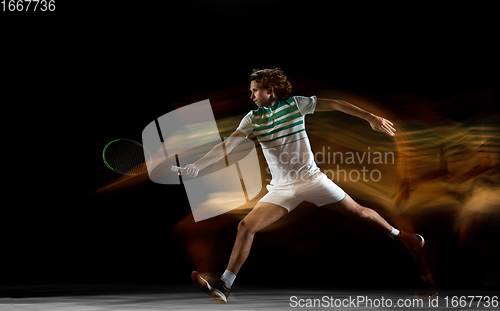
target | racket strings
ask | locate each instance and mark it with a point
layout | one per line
(126, 157)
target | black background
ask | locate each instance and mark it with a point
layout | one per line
(91, 72)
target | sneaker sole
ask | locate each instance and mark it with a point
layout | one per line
(207, 289)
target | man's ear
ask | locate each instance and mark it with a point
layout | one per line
(270, 90)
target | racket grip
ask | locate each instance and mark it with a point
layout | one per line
(177, 169)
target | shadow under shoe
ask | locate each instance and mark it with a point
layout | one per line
(426, 291)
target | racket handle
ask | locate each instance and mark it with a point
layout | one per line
(177, 169)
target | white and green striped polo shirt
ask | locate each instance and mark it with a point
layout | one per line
(282, 134)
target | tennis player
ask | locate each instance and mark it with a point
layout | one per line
(278, 124)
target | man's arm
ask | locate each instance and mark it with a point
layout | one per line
(215, 154)
(377, 123)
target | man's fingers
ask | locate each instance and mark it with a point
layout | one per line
(388, 126)
(387, 130)
(192, 173)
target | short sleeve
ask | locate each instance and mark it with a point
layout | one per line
(246, 124)
(306, 105)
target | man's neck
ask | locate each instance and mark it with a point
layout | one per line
(271, 104)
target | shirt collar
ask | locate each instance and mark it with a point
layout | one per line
(275, 103)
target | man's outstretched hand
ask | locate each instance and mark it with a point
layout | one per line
(380, 124)
(191, 170)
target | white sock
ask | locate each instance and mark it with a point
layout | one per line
(394, 233)
(228, 278)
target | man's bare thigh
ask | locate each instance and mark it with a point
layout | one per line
(263, 215)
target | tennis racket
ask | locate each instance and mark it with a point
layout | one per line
(125, 156)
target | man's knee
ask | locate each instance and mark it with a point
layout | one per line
(244, 227)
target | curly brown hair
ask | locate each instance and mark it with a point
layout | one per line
(273, 77)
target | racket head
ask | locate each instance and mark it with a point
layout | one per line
(125, 156)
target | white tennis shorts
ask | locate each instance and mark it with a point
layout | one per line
(320, 190)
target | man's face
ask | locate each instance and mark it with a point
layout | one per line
(260, 95)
